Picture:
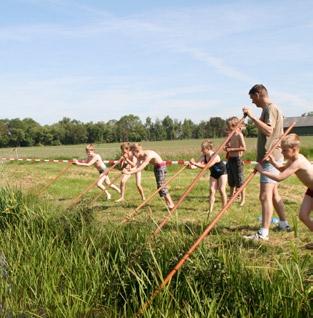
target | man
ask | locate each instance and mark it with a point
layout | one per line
(270, 128)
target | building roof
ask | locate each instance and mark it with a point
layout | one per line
(300, 121)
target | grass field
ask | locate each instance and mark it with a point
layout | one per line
(82, 262)
(170, 150)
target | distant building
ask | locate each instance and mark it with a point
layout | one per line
(304, 125)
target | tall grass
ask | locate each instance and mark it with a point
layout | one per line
(62, 264)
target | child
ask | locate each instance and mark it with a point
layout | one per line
(298, 164)
(218, 178)
(150, 156)
(95, 159)
(235, 149)
(129, 161)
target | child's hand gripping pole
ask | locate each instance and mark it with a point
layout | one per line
(197, 178)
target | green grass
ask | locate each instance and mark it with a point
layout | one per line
(83, 262)
(169, 150)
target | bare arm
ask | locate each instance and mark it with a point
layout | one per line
(266, 129)
(279, 166)
(87, 164)
(140, 168)
(289, 170)
(201, 164)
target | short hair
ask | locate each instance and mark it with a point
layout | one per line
(135, 147)
(125, 146)
(232, 122)
(207, 144)
(90, 147)
(258, 88)
(291, 141)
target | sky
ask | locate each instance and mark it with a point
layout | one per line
(98, 60)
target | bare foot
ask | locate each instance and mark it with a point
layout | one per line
(242, 203)
(120, 200)
(108, 196)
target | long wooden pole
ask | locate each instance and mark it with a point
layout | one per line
(208, 228)
(90, 186)
(135, 212)
(101, 193)
(46, 187)
(196, 179)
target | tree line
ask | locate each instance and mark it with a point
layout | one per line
(27, 132)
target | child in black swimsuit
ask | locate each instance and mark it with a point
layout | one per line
(218, 178)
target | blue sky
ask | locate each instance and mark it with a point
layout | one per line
(99, 60)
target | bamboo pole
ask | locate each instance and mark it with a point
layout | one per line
(135, 212)
(208, 229)
(90, 186)
(196, 179)
(45, 188)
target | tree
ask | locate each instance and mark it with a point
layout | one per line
(130, 128)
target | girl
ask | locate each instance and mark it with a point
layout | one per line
(218, 178)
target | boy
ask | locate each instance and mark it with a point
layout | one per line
(129, 161)
(95, 159)
(150, 156)
(235, 149)
(218, 177)
(298, 164)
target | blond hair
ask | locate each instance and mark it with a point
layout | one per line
(125, 146)
(90, 147)
(135, 147)
(291, 141)
(232, 122)
(207, 144)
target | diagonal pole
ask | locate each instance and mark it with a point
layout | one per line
(197, 178)
(90, 186)
(46, 187)
(208, 229)
(101, 193)
(136, 211)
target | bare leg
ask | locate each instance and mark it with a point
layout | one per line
(113, 186)
(169, 201)
(213, 186)
(305, 210)
(139, 187)
(102, 187)
(278, 204)
(243, 197)
(124, 179)
(266, 198)
(222, 182)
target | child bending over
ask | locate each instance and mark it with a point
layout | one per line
(129, 161)
(150, 156)
(300, 166)
(95, 159)
(218, 178)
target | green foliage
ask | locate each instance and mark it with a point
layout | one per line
(63, 264)
(27, 132)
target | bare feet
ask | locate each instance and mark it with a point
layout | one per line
(120, 200)
(242, 203)
(108, 196)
